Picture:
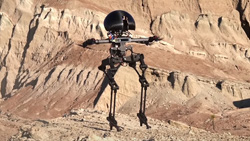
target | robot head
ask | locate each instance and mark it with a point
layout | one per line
(118, 21)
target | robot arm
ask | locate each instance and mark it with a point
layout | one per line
(146, 40)
(94, 41)
(102, 41)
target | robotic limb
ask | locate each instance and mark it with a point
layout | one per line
(144, 84)
(114, 87)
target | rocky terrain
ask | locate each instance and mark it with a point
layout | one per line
(90, 125)
(198, 73)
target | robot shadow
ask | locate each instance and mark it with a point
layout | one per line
(104, 85)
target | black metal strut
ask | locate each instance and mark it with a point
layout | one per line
(114, 87)
(131, 60)
(144, 85)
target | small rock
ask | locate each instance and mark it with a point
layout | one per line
(107, 134)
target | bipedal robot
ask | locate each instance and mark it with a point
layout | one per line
(117, 23)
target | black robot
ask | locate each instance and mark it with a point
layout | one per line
(118, 23)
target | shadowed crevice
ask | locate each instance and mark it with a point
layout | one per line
(4, 85)
(87, 77)
(219, 21)
(171, 79)
(4, 63)
(245, 103)
(47, 14)
(184, 83)
(59, 76)
(32, 83)
(78, 76)
(49, 75)
(146, 9)
(244, 23)
(219, 85)
(70, 71)
(5, 57)
(42, 9)
(199, 5)
(30, 37)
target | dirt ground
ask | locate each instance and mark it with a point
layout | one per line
(81, 125)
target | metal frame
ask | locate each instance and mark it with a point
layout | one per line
(115, 60)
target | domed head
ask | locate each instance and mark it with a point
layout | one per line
(119, 21)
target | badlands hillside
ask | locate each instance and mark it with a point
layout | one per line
(198, 74)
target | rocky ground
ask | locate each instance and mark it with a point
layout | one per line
(91, 125)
